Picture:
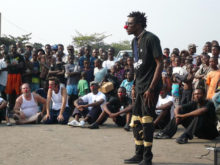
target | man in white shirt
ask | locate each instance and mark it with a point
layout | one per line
(192, 52)
(26, 107)
(88, 106)
(164, 109)
(110, 62)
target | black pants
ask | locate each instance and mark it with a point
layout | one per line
(200, 126)
(186, 96)
(143, 129)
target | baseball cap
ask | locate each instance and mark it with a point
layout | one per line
(191, 46)
(94, 83)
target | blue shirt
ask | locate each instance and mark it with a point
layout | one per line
(128, 86)
(91, 60)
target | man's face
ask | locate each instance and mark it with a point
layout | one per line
(212, 62)
(70, 51)
(25, 89)
(94, 88)
(198, 95)
(131, 26)
(121, 93)
(52, 85)
(177, 61)
(215, 51)
(110, 53)
(48, 49)
(95, 53)
(166, 52)
(87, 51)
(96, 63)
(60, 49)
(13, 49)
(163, 93)
(71, 59)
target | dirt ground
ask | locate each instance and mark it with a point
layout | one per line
(109, 145)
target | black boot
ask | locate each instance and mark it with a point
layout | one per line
(147, 156)
(137, 158)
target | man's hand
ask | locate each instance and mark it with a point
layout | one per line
(47, 116)
(22, 116)
(133, 93)
(81, 107)
(113, 115)
(149, 98)
(60, 117)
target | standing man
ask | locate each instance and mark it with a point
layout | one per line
(148, 83)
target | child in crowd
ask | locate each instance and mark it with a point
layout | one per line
(88, 70)
(83, 86)
(128, 83)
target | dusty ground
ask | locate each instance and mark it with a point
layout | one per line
(109, 145)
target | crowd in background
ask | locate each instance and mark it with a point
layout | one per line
(184, 71)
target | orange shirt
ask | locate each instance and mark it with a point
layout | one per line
(211, 81)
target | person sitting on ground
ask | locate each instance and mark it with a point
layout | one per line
(88, 106)
(60, 112)
(198, 117)
(26, 110)
(118, 108)
(164, 109)
(3, 114)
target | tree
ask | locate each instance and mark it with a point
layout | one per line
(23, 38)
(37, 45)
(95, 40)
(122, 45)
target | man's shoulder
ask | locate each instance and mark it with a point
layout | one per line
(150, 35)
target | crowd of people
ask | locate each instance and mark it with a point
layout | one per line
(48, 86)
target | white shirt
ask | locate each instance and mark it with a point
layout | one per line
(179, 70)
(162, 101)
(3, 74)
(1, 100)
(194, 58)
(108, 64)
(92, 98)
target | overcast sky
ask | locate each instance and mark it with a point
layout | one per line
(176, 22)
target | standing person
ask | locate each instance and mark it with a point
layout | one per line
(15, 66)
(72, 73)
(148, 68)
(212, 78)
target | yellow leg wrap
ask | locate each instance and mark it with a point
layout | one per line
(147, 144)
(147, 119)
(133, 119)
(138, 142)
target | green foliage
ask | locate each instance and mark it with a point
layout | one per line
(38, 45)
(23, 39)
(95, 40)
(6, 41)
(122, 45)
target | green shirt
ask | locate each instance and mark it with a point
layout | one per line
(82, 86)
